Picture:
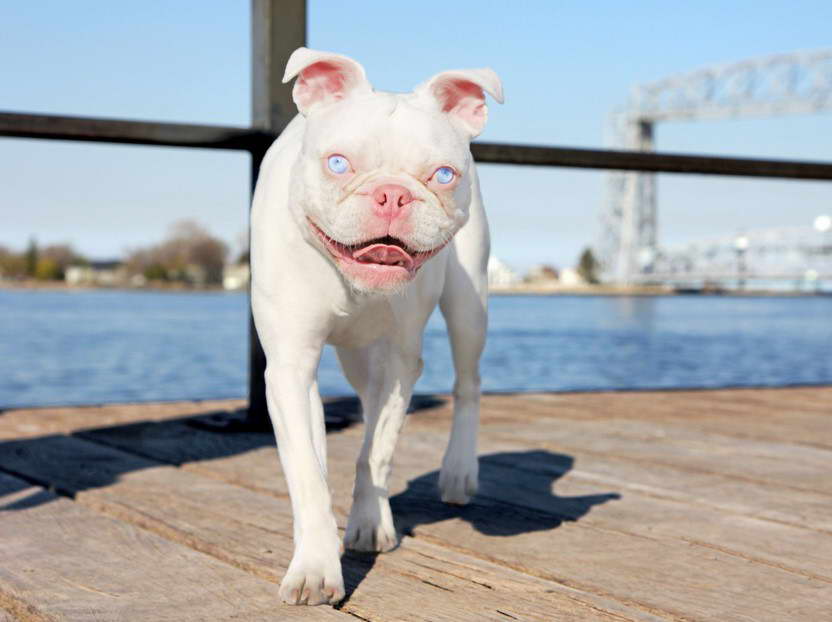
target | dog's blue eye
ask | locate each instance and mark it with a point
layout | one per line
(338, 164)
(444, 175)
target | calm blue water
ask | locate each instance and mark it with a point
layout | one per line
(112, 346)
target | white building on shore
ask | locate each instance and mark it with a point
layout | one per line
(236, 276)
(500, 275)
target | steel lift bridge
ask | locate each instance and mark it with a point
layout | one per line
(798, 83)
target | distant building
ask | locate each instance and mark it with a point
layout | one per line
(542, 273)
(195, 274)
(100, 273)
(236, 276)
(500, 275)
(570, 277)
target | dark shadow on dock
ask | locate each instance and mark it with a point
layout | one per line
(515, 497)
(515, 494)
(68, 464)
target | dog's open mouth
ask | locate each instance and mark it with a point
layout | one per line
(386, 252)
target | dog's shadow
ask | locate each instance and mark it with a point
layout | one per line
(515, 494)
(515, 497)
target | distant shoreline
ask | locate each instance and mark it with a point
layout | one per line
(60, 286)
(643, 291)
(519, 290)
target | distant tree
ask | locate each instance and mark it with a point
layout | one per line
(155, 272)
(12, 265)
(208, 253)
(189, 253)
(588, 266)
(48, 270)
(60, 257)
(136, 261)
(31, 257)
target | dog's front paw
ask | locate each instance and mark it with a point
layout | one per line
(458, 480)
(371, 532)
(313, 578)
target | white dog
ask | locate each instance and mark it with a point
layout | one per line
(367, 213)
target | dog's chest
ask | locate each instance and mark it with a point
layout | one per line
(359, 326)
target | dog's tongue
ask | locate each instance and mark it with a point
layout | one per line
(385, 254)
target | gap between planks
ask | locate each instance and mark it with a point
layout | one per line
(195, 468)
(103, 503)
(207, 471)
(584, 587)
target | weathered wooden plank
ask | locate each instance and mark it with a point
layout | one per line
(243, 460)
(759, 542)
(663, 575)
(790, 415)
(710, 487)
(544, 481)
(252, 463)
(616, 422)
(64, 562)
(782, 465)
(32, 422)
(253, 532)
(674, 531)
(765, 415)
(785, 546)
(729, 490)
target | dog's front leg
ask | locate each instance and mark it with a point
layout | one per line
(392, 374)
(314, 575)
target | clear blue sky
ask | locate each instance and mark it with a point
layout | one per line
(564, 65)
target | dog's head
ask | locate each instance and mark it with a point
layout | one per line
(383, 181)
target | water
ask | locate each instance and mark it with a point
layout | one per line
(115, 346)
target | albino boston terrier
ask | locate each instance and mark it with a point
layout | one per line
(367, 213)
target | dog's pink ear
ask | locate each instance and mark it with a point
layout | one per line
(323, 78)
(460, 94)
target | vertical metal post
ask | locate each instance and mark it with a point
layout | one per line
(278, 27)
(635, 210)
(647, 225)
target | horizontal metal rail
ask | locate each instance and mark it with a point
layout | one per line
(649, 161)
(254, 140)
(132, 132)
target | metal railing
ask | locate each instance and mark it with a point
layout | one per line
(257, 140)
(278, 27)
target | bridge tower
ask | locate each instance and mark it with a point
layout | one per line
(797, 83)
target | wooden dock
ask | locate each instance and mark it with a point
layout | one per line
(683, 505)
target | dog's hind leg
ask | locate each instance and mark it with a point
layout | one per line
(464, 306)
(383, 374)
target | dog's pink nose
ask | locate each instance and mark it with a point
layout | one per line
(390, 199)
